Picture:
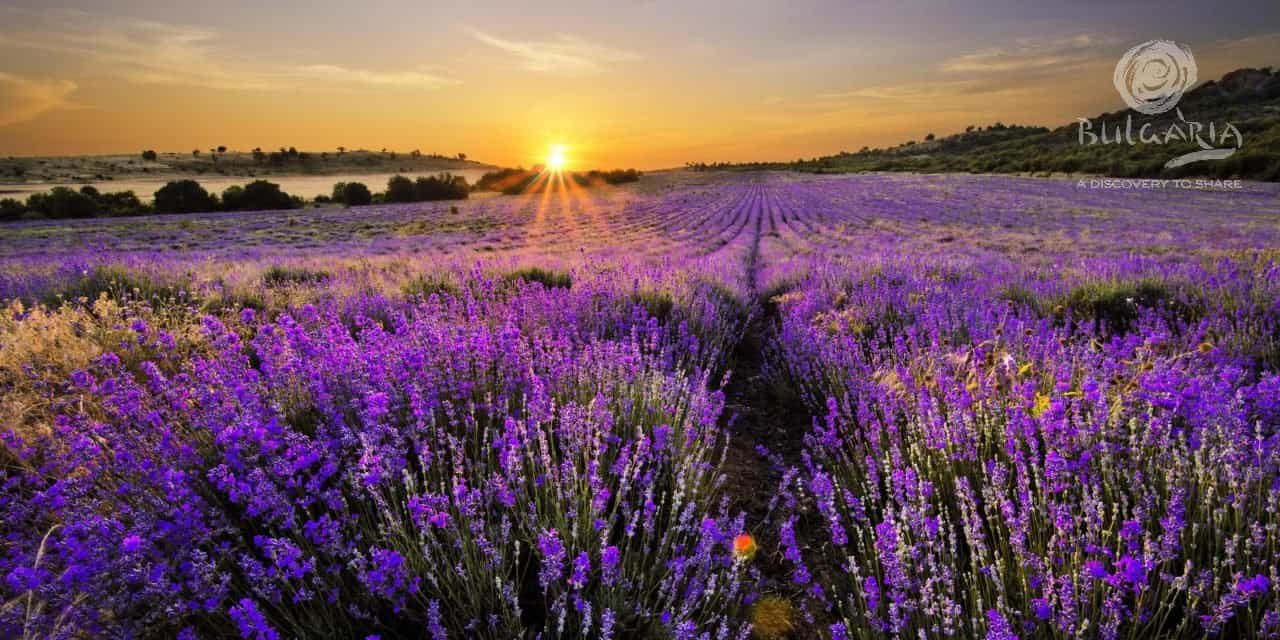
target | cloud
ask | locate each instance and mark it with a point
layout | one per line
(1029, 55)
(22, 99)
(565, 54)
(150, 52)
(411, 79)
(936, 92)
(140, 51)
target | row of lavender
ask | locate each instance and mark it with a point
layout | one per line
(502, 459)
(1029, 449)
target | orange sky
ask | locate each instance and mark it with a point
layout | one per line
(644, 84)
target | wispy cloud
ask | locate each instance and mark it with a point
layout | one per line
(22, 99)
(419, 79)
(1029, 55)
(932, 92)
(565, 54)
(150, 52)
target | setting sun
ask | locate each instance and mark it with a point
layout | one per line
(556, 158)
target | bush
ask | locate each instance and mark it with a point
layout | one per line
(546, 277)
(508, 181)
(119, 283)
(356, 194)
(400, 189)
(258, 195)
(61, 202)
(184, 196)
(617, 176)
(122, 203)
(149, 155)
(442, 187)
(427, 188)
(11, 209)
(1114, 307)
(279, 275)
(427, 285)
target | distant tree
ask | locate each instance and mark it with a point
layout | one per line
(61, 202)
(184, 196)
(929, 138)
(222, 148)
(400, 189)
(232, 198)
(149, 155)
(416, 153)
(341, 150)
(356, 194)
(968, 129)
(11, 210)
(442, 187)
(195, 153)
(255, 196)
(462, 156)
(292, 152)
(121, 203)
(258, 155)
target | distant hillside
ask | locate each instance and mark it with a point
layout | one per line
(1249, 99)
(220, 161)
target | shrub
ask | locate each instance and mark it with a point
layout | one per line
(11, 210)
(426, 285)
(442, 187)
(121, 203)
(508, 181)
(546, 277)
(400, 189)
(281, 275)
(1114, 307)
(61, 202)
(184, 196)
(356, 194)
(120, 283)
(258, 195)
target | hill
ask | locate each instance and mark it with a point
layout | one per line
(256, 163)
(1247, 99)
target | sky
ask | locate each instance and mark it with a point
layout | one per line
(625, 83)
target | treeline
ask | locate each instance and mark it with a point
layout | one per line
(520, 180)
(189, 196)
(177, 196)
(444, 186)
(286, 155)
(63, 202)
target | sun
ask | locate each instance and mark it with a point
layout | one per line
(556, 158)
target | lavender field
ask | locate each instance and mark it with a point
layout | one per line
(706, 405)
